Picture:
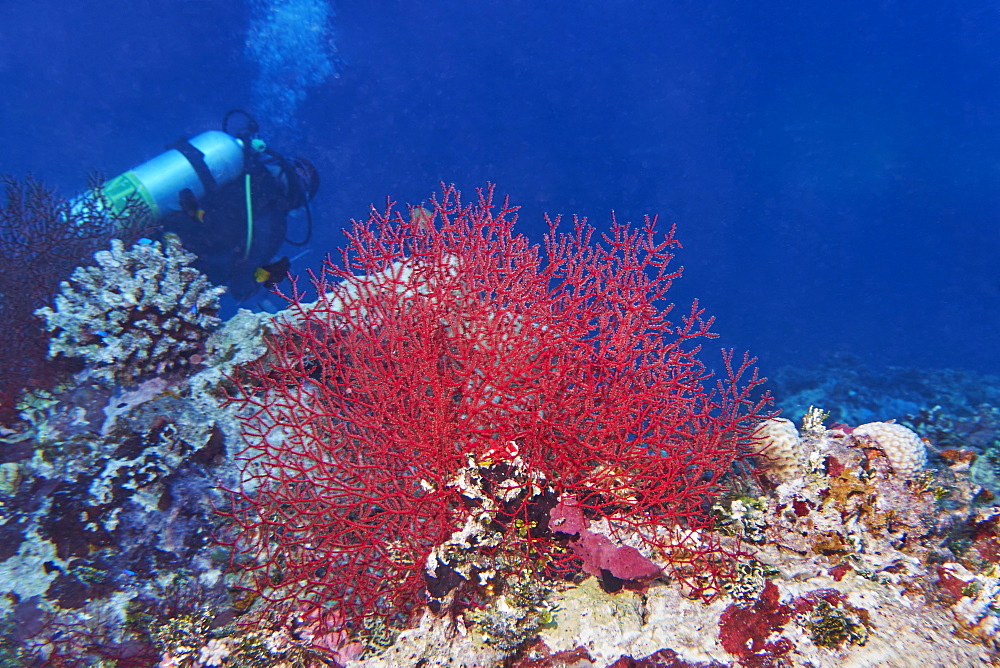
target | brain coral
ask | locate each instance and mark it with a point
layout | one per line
(905, 450)
(778, 441)
(139, 311)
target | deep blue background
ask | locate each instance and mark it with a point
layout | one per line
(833, 169)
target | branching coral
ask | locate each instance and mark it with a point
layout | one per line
(138, 312)
(447, 336)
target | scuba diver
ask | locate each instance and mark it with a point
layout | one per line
(227, 195)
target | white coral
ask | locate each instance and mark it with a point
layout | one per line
(214, 653)
(904, 448)
(780, 447)
(139, 311)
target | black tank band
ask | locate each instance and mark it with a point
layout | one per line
(197, 160)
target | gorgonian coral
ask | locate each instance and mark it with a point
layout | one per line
(444, 338)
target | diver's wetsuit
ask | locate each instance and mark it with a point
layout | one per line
(218, 233)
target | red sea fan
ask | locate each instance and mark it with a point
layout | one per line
(444, 336)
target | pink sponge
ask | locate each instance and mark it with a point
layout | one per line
(601, 556)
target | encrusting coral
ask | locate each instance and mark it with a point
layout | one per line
(138, 312)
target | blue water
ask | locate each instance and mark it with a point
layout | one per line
(833, 168)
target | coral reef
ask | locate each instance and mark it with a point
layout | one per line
(107, 511)
(458, 456)
(139, 312)
(98, 522)
(515, 617)
(194, 640)
(855, 392)
(747, 630)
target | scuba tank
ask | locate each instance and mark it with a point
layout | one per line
(203, 164)
(199, 164)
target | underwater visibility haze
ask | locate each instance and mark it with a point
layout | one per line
(830, 171)
(201, 464)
